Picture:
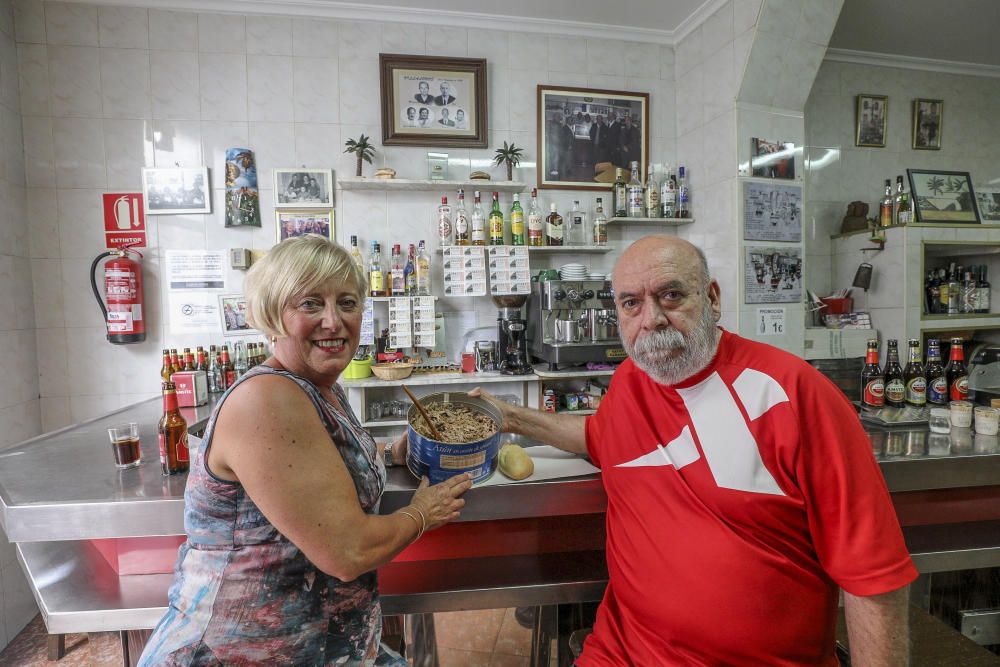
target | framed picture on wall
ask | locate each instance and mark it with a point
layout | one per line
(433, 101)
(772, 274)
(584, 134)
(299, 223)
(928, 116)
(988, 203)
(233, 311)
(772, 159)
(176, 190)
(871, 119)
(942, 196)
(303, 188)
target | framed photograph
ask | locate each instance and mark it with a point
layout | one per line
(772, 274)
(927, 119)
(772, 211)
(988, 203)
(585, 134)
(942, 196)
(233, 311)
(303, 188)
(299, 223)
(433, 101)
(871, 118)
(772, 159)
(176, 190)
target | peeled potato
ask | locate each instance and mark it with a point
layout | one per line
(515, 462)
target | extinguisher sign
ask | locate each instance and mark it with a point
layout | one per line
(124, 220)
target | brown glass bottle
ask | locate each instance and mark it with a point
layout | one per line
(175, 362)
(956, 373)
(872, 379)
(228, 371)
(913, 376)
(937, 382)
(895, 385)
(188, 359)
(172, 429)
(201, 364)
(167, 368)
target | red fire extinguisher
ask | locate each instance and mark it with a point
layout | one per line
(123, 291)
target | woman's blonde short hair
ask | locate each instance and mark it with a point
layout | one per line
(295, 266)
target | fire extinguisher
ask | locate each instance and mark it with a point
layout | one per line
(123, 291)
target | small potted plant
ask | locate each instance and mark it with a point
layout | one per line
(510, 156)
(362, 149)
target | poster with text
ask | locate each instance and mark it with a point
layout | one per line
(772, 212)
(772, 274)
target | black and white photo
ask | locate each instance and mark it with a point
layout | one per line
(303, 188)
(871, 118)
(928, 116)
(176, 190)
(988, 201)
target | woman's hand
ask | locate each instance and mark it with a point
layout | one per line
(400, 449)
(440, 503)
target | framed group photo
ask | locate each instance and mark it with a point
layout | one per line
(176, 190)
(233, 311)
(988, 203)
(299, 223)
(772, 159)
(585, 134)
(871, 119)
(928, 116)
(303, 188)
(942, 196)
(433, 101)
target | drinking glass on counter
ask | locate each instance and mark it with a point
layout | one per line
(125, 445)
(986, 420)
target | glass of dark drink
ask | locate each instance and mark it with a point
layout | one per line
(125, 445)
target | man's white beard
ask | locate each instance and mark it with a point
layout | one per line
(655, 352)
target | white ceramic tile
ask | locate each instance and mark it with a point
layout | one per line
(177, 142)
(269, 35)
(33, 75)
(269, 88)
(719, 82)
(12, 154)
(174, 80)
(8, 318)
(9, 84)
(717, 30)
(690, 104)
(606, 57)
(87, 407)
(745, 14)
(79, 152)
(498, 82)
(356, 105)
(125, 86)
(43, 222)
(173, 31)
(24, 309)
(688, 52)
(817, 22)
(222, 33)
(643, 58)
(46, 280)
(316, 85)
(446, 41)
(223, 83)
(529, 51)
(219, 136)
(128, 147)
(185, 232)
(567, 54)
(18, 604)
(81, 224)
(490, 44)
(315, 143)
(315, 38)
(668, 63)
(71, 24)
(55, 413)
(75, 76)
(124, 27)
(29, 21)
(274, 148)
(79, 308)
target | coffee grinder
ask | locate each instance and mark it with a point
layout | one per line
(512, 339)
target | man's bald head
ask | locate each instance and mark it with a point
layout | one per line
(668, 249)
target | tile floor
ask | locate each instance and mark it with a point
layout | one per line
(487, 638)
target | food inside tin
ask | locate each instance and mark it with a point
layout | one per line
(456, 423)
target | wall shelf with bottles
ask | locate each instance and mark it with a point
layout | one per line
(660, 222)
(419, 185)
(571, 249)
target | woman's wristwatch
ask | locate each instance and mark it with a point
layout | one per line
(387, 454)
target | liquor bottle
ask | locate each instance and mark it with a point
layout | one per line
(683, 194)
(201, 365)
(943, 291)
(984, 291)
(652, 195)
(933, 289)
(668, 197)
(956, 374)
(356, 255)
(423, 268)
(536, 225)
(398, 276)
(636, 205)
(478, 232)
(214, 372)
(376, 278)
(600, 224)
(872, 379)
(188, 359)
(461, 219)
(409, 275)
(175, 363)
(620, 193)
(240, 364)
(954, 291)
(902, 211)
(496, 221)
(172, 430)
(577, 234)
(970, 294)
(444, 229)
(516, 222)
(251, 355)
(167, 368)
(913, 376)
(937, 382)
(553, 227)
(227, 368)
(895, 385)
(885, 209)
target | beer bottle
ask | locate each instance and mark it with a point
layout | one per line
(188, 359)
(172, 431)
(175, 363)
(895, 386)
(872, 379)
(937, 384)
(228, 372)
(167, 368)
(201, 365)
(955, 372)
(913, 376)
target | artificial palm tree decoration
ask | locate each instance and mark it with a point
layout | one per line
(510, 156)
(361, 148)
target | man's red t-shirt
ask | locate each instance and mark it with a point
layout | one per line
(738, 501)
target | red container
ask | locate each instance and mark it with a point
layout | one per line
(468, 362)
(192, 388)
(837, 306)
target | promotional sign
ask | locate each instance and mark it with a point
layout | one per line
(124, 220)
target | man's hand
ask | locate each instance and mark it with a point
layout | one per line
(878, 628)
(567, 432)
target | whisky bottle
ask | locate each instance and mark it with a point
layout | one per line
(536, 226)
(885, 209)
(554, 227)
(516, 222)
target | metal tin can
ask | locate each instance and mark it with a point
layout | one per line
(572, 402)
(549, 401)
(441, 460)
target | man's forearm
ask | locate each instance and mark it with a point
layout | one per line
(878, 628)
(567, 432)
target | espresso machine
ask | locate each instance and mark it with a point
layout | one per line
(512, 341)
(573, 322)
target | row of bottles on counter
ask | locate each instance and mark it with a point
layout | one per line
(895, 208)
(456, 226)
(917, 384)
(403, 276)
(670, 198)
(221, 369)
(957, 290)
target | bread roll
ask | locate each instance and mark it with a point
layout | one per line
(515, 462)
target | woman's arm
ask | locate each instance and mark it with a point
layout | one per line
(269, 436)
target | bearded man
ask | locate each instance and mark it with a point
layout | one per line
(742, 490)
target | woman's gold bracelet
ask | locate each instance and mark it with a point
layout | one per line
(421, 525)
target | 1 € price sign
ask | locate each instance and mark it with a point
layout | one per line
(770, 321)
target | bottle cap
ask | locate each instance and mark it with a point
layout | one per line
(681, 171)
(552, 207)
(444, 200)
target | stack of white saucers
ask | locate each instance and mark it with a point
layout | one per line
(572, 271)
(596, 276)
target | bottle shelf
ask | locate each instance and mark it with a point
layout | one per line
(416, 185)
(658, 222)
(955, 322)
(571, 249)
(384, 422)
